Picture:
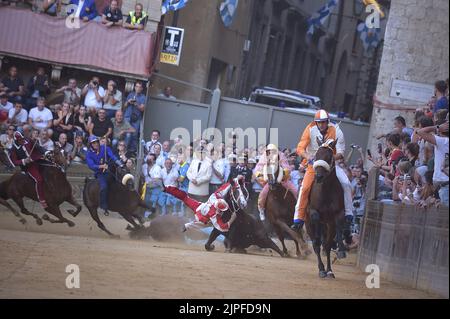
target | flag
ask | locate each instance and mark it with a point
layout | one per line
(376, 5)
(369, 37)
(319, 18)
(227, 10)
(172, 5)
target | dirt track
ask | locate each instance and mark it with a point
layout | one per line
(33, 261)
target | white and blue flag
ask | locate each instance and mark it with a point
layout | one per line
(370, 37)
(172, 5)
(227, 11)
(320, 17)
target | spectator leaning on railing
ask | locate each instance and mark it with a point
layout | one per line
(136, 19)
(438, 136)
(112, 15)
(86, 10)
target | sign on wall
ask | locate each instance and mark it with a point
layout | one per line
(414, 91)
(172, 44)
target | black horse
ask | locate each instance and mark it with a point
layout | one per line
(246, 230)
(57, 189)
(326, 207)
(122, 198)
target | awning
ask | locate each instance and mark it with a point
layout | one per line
(44, 38)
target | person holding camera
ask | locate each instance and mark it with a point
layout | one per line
(72, 93)
(112, 100)
(134, 111)
(37, 86)
(93, 94)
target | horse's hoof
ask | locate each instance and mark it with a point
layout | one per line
(39, 221)
(210, 247)
(23, 221)
(341, 254)
(45, 217)
(129, 228)
(322, 274)
(330, 275)
(70, 223)
(71, 212)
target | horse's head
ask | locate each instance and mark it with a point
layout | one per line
(57, 156)
(126, 178)
(4, 157)
(324, 162)
(239, 193)
(273, 174)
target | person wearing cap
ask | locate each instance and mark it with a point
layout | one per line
(272, 157)
(98, 157)
(321, 128)
(203, 216)
(26, 154)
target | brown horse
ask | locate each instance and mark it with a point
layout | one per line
(57, 189)
(122, 198)
(280, 206)
(4, 158)
(326, 207)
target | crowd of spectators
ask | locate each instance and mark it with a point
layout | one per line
(86, 10)
(80, 112)
(413, 160)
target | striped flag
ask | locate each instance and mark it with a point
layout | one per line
(227, 10)
(320, 17)
(172, 5)
(369, 37)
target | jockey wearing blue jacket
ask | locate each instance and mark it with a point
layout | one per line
(97, 158)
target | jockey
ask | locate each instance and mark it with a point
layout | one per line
(320, 128)
(212, 214)
(26, 154)
(97, 159)
(272, 156)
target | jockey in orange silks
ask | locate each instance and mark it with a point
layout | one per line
(271, 159)
(323, 129)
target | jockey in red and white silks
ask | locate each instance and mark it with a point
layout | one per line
(268, 163)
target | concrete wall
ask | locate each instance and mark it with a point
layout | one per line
(166, 115)
(410, 245)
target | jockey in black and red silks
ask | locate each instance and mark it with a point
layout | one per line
(25, 154)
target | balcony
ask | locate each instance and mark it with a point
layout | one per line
(91, 46)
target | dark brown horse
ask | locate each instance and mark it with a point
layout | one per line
(4, 158)
(122, 198)
(57, 189)
(326, 207)
(280, 206)
(246, 230)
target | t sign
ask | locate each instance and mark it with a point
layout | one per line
(171, 46)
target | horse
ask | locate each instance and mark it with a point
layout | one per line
(280, 206)
(122, 198)
(5, 160)
(326, 206)
(246, 230)
(57, 189)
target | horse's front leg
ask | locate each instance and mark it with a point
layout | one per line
(74, 203)
(316, 233)
(212, 237)
(329, 239)
(341, 253)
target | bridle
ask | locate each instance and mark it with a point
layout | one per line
(234, 201)
(329, 167)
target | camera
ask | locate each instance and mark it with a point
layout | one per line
(95, 83)
(357, 204)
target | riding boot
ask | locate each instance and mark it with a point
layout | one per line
(262, 213)
(298, 225)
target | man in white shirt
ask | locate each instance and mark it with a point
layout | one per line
(5, 105)
(199, 175)
(40, 117)
(441, 150)
(218, 171)
(45, 141)
(153, 182)
(18, 116)
(149, 146)
(169, 175)
(93, 94)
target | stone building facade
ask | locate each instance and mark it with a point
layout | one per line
(269, 48)
(416, 49)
